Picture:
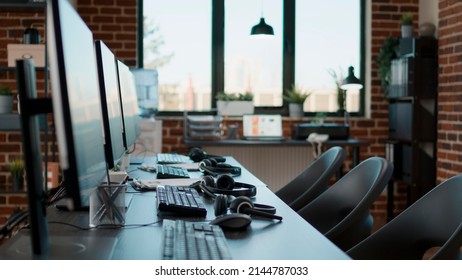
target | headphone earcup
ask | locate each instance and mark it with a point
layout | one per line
(205, 185)
(225, 182)
(196, 154)
(208, 162)
(208, 181)
(221, 204)
(244, 205)
(240, 204)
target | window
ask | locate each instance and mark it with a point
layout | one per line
(177, 43)
(253, 64)
(327, 42)
(202, 47)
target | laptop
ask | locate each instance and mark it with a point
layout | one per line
(262, 127)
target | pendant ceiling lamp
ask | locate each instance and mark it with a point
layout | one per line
(351, 82)
(262, 28)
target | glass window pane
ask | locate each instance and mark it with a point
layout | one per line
(327, 39)
(253, 64)
(177, 42)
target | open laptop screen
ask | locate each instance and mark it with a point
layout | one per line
(262, 127)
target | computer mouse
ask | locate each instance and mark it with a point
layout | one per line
(233, 221)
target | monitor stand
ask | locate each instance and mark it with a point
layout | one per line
(60, 248)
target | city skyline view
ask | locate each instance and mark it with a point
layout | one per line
(251, 64)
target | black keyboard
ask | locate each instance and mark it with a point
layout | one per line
(171, 172)
(172, 158)
(180, 200)
(183, 240)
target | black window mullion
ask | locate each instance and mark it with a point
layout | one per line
(288, 58)
(218, 51)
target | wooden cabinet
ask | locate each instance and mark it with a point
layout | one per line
(412, 115)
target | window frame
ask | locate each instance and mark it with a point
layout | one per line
(288, 57)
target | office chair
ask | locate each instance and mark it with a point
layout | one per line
(435, 220)
(341, 212)
(14, 222)
(313, 180)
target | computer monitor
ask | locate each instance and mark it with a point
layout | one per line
(78, 121)
(129, 105)
(76, 102)
(110, 104)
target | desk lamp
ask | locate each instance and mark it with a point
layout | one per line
(350, 82)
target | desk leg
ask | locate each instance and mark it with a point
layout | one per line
(355, 158)
(390, 200)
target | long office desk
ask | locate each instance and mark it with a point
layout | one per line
(277, 162)
(291, 239)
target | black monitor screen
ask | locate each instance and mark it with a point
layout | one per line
(112, 114)
(129, 103)
(76, 102)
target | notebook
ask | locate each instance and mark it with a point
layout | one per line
(262, 127)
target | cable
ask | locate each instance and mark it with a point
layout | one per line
(105, 226)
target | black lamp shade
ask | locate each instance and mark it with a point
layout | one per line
(351, 82)
(262, 28)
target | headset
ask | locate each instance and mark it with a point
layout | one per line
(197, 154)
(243, 205)
(212, 167)
(225, 185)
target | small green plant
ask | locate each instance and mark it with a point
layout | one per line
(319, 118)
(296, 95)
(16, 168)
(5, 90)
(407, 19)
(222, 96)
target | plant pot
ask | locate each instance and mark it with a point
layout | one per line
(295, 110)
(18, 184)
(235, 108)
(6, 104)
(427, 29)
(407, 31)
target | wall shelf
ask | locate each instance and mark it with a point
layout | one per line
(14, 6)
(10, 122)
(412, 117)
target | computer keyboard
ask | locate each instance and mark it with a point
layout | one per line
(184, 240)
(171, 172)
(180, 201)
(165, 158)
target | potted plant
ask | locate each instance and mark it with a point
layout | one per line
(407, 29)
(387, 53)
(235, 104)
(6, 100)
(296, 97)
(16, 168)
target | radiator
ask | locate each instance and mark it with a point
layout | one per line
(274, 165)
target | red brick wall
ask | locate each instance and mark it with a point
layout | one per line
(449, 90)
(113, 21)
(13, 25)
